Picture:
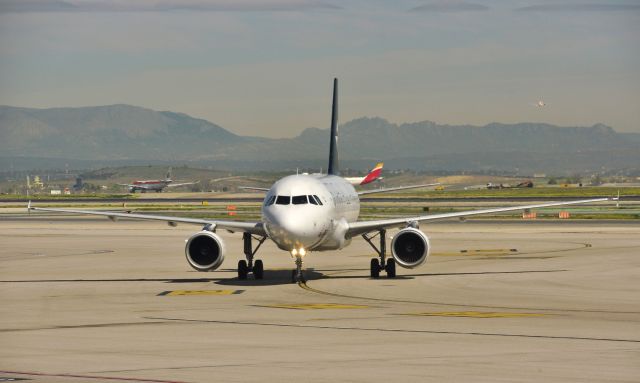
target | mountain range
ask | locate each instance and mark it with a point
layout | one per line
(128, 134)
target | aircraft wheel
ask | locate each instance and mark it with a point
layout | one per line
(243, 269)
(258, 269)
(375, 268)
(296, 279)
(390, 268)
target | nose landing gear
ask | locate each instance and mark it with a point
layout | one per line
(296, 275)
(245, 267)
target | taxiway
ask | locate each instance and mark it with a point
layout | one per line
(89, 300)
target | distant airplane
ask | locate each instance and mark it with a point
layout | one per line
(373, 175)
(307, 213)
(540, 104)
(155, 185)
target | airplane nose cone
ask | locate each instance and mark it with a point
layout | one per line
(294, 229)
(302, 230)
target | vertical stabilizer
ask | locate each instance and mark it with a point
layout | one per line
(334, 169)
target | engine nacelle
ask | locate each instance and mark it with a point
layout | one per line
(410, 247)
(205, 251)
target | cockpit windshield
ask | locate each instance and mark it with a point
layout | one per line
(283, 200)
(299, 199)
(295, 200)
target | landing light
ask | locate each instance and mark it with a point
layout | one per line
(298, 252)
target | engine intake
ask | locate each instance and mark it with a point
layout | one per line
(205, 251)
(410, 247)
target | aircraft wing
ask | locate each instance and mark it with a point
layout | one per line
(361, 227)
(232, 226)
(386, 190)
(182, 184)
(253, 188)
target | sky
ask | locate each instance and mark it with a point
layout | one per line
(265, 68)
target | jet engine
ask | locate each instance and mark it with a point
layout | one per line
(410, 247)
(205, 251)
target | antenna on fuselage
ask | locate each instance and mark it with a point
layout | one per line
(333, 144)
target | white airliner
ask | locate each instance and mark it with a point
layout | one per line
(155, 185)
(304, 213)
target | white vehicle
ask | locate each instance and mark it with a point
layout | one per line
(303, 214)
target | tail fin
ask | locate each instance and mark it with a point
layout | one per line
(168, 173)
(334, 169)
(373, 175)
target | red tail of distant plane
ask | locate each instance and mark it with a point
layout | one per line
(373, 175)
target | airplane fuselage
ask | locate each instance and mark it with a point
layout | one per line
(149, 185)
(311, 212)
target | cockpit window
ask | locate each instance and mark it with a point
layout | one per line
(283, 200)
(299, 199)
(270, 201)
(317, 199)
(312, 200)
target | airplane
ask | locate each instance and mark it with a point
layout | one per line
(373, 175)
(306, 213)
(155, 185)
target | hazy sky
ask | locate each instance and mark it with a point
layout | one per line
(265, 67)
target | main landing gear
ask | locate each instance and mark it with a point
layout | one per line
(249, 266)
(381, 263)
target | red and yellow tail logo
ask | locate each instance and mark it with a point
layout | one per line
(373, 174)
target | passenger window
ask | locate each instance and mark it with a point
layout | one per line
(283, 200)
(318, 199)
(299, 199)
(312, 200)
(270, 201)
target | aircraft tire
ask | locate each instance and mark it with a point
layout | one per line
(375, 268)
(390, 268)
(258, 269)
(243, 269)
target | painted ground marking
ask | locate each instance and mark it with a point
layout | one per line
(200, 292)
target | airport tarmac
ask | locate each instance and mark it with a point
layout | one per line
(89, 300)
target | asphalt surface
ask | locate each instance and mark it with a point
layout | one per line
(96, 301)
